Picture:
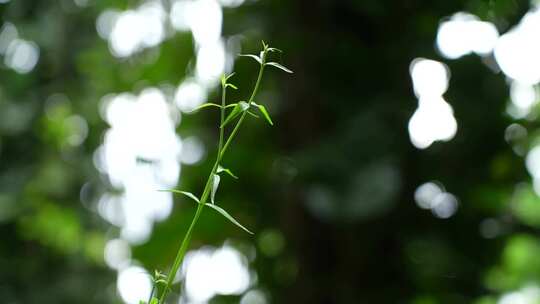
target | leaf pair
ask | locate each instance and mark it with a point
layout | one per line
(213, 206)
(225, 83)
(244, 106)
(274, 64)
(237, 110)
(261, 59)
(239, 107)
(159, 278)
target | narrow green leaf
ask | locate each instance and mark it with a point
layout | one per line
(263, 111)
(205, 105)
(213, 206)
(230, 75)
(238, 108)
(225, 78)
(275, 50)
(221, 169)
(228, 216)
(188, 194)
(279, 66)
(215, 184)
(257, 58)
(253, 114)
(231, 85)
(235, 111)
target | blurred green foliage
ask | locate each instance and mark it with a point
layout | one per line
(329, 189)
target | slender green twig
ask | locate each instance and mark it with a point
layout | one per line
(221, 151)
(223, 145)
(152, 292)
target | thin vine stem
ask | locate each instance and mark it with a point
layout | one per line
(152, 293)
(222, 115)
(237, 127)
(222, 148)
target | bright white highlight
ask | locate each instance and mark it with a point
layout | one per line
(517, 51)
(140, 154)
(254, 296)
(189, 95)
(425, 195)
(429, 77)
(432, 197)
(434, 118)
(117, 254)
(209, 272)
(526, 295)
(134, 30)
(21, 55)
(105, 23)
(198, 266)
(210, 62)
(180, 14)
(204, 19)
(444, 205)
(532, 162)
(192, 151)
(232, 276)
(231, 3)
(524, 98)
(134, 284)
(464, 34)
(8, 33)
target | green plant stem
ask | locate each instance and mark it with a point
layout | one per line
(237, 127)
(222, 148)
(152, 292)
(222, 118)
(181, 253)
